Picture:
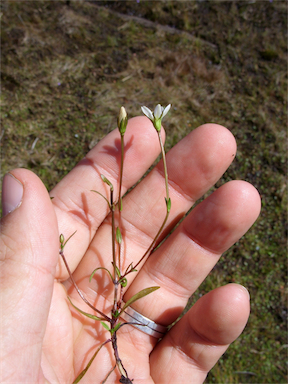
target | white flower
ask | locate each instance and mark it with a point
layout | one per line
(156, 116)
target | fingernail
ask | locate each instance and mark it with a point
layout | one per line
(245, 289)
(12, 193)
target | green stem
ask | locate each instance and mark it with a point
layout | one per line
(164, 164)
(151, 245)
(121, 172)
(115, 276)
(167, 211)
(120, 197)
(113, 236)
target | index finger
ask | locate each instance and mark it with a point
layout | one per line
(77, 207)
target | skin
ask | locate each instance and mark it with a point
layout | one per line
(44, 340)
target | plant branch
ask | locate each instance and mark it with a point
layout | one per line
(79, 291)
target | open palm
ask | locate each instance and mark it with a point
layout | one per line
(43, 339)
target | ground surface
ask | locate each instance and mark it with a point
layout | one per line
(66, 69)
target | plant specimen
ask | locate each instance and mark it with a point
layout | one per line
(121, 312)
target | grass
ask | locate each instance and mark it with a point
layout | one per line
(66, 70)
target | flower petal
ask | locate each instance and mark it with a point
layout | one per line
(158, 111)
(147, 112)
(166, 110)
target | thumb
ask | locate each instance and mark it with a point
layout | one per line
(29, 249)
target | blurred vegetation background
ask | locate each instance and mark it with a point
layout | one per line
(67, 67)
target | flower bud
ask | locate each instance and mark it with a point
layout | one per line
(122, 121)
(61, 238)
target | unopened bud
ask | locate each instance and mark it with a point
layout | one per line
(61, 238)
(168, 204)
(122, 121)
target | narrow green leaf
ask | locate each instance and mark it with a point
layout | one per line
(69, 238)
(118, 236)
(84, 313)
(138, 296)
(117, 326)
(107, 182)
(105, 326)
(92, 190)
(95, 270)
(117, 270)
(115, 314)
(79, 377)
(131, 268)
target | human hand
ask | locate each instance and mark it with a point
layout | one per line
(44, 340)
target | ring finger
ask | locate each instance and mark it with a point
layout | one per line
(184, 260)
